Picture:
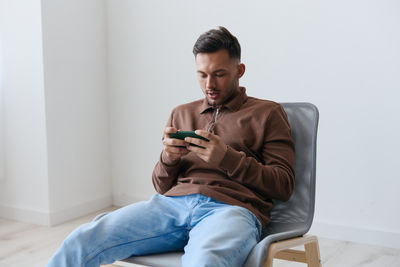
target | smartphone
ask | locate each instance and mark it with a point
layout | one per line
(182, 134)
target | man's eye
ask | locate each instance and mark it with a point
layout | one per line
(219, 75)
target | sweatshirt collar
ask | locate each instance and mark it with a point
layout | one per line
(233, 104)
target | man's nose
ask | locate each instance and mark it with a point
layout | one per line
(210, 84)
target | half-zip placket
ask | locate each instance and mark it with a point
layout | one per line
(212, 124)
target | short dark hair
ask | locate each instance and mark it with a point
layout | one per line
(217, 39)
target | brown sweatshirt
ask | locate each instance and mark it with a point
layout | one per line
(258, 165)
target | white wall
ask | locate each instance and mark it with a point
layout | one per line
(341, 55)
(74, 45)
(56, 122)
(2, 150)
(24, 189)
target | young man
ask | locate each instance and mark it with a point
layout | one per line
(214, 196)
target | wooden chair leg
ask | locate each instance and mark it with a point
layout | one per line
(282, 250)
(312, 254)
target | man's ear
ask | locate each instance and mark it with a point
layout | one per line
(240, 70)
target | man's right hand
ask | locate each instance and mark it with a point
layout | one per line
(174, 148)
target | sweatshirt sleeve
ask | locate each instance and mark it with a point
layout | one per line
(165, 172)
(274, 178)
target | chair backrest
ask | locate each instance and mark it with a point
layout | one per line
(299, 210)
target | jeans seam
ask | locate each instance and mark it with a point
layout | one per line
(190, 213)
(93, 254)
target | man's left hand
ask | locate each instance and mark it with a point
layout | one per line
(214, 150)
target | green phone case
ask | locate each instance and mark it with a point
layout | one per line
(182, 134)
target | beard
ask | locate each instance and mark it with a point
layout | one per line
(233, 88)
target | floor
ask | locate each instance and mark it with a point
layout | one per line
(28, 245)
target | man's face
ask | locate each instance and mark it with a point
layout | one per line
(218, 75)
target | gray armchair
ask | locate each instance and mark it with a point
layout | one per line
(290, 220)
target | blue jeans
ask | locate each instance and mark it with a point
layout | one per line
(210, 232)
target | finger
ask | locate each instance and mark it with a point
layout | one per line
(200, 152)
(176, 150)
(204, 134)
(196, 149)
(170, 130)
(173, 142)
(182, 152)
(197, 141)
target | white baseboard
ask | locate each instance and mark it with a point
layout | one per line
(356, 234)
(82, 209)
(24, 215)
(53, 218)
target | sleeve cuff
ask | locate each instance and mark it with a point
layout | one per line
(167, 161)
(231, 160)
